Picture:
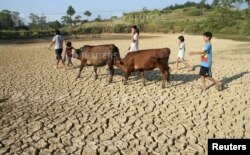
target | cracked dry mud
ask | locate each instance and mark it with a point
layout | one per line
(46, 111)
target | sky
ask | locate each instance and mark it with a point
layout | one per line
(54, 9)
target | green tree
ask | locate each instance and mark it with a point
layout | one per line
(227, 3)
(202, 4)
(215, 2)
(70, 12)
(98, 19)
(55, 24)
(66, 20)
(37, 22)
(78, 18)
(248, 2)
(6, 21)
(87, 13)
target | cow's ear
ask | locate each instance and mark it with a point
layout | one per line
(121, 63)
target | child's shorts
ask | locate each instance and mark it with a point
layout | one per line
(205, 71)
(58, 54)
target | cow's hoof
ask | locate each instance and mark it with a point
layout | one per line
(163, 86)
(125, 83)
(144, 84)
(96, 77)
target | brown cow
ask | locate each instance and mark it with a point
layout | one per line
(146, 60)
(98, 56)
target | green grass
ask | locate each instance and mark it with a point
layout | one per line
(236, 37)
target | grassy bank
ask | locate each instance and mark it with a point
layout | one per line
(225, 22)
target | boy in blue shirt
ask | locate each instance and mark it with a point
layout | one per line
(206, 62)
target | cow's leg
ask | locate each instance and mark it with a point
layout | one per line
(126, 78)
(143, 79)
(95, 70)
(164, 75)
(168, 74)
(81, 67)
(111, 72)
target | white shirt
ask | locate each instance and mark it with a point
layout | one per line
(58, 41)
(181, 52)
(134, 45)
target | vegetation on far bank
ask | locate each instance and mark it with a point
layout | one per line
(222, 17)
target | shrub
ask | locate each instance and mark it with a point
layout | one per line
(194, 12)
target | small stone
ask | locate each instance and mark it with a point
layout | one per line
(42, 144)
(45, 152)
(8, 142)
(25, 145)
(3, 150)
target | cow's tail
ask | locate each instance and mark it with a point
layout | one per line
(115, 54)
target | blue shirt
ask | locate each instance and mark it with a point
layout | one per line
(206, 58)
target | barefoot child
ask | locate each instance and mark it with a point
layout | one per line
(68, 53)
(135, 39)
(181, 54)
(58, 42)
(206, 62)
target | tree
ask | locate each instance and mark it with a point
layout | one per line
(215, 2)
(66, 20)
(15, 18)
(34, 19)
(87, 13)
(144, 9)
(248, 2)
(98, 19)
(6, 21)
(78, 18)
(55, 24)
(227, 3)
(237, 3)
(37, 22)
(42, 21)
(203, 3)
(70, 11)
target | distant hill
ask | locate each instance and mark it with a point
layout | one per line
(189, 19)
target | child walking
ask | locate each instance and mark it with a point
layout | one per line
(206, 62)
(181, 54)
(58, 42)
(68, 53)
(135, 39)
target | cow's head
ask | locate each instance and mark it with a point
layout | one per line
(118, 61)
(77, 53)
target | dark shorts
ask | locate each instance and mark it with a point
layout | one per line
(58, 54)
(205, 71)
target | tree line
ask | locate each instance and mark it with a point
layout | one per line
(220, 16)
(11, 20)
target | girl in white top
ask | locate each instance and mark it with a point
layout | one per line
(181, 53)
(135, 39)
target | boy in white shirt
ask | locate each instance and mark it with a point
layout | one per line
(58, 42)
